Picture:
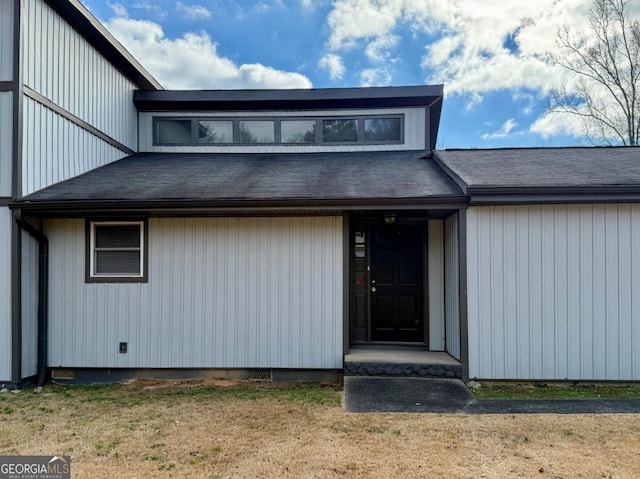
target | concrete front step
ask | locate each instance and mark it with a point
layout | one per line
(449, 371)
(367, 361)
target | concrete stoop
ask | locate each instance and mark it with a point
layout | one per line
(401, 362)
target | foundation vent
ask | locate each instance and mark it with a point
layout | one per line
(260, 374)
(60, 373)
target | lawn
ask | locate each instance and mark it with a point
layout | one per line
(215, 429)
(556, 391)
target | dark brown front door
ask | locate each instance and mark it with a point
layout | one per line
(396, 283)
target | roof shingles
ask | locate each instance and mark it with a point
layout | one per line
(544, 167)
(203, 177)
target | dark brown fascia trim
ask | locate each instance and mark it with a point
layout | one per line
(547, 197)
(462, 292)
(296, 99)
(99, 37)
(435, 113)
(16, 192)
(34, 95)
(434, 202)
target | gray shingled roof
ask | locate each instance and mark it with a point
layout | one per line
(544, 167)
(229, 177)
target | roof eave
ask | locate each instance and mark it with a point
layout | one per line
(492, 195)
(91, 29)
(294, 99)
(92, 206)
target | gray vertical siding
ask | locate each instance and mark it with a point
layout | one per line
(452, 286)
(63, 67)
(6, 141)
(29, 303)
(553, 292)
(5, 295)
(435, 275)
(6, 40)
(55, 149)
(222, 293)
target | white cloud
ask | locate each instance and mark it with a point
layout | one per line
(379, 50)
(473, 99)
(528, 100)
(150, 7)
(118, 9)
(503, 132)
(193, 11)
(474, 47)
(350, 20)
(375, 77)
(192, 61)
(333, 64)
(552, 124)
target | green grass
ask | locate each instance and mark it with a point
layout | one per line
(120, 395)
(546, 391)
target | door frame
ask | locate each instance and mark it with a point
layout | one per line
(366, 224)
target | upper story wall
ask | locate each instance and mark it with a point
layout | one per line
(6, 40)
(6, 96)
(63, 67)
(414, 134)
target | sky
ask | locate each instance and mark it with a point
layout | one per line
(489, 54)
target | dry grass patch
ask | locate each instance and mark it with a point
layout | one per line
(208, 429)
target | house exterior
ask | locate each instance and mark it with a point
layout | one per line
(154, 232)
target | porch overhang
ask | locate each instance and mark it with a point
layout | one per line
(241, 184)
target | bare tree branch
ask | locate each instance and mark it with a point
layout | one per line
(605, 95)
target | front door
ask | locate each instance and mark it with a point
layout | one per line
(396, 283)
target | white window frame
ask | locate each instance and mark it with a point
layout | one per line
(93, 275)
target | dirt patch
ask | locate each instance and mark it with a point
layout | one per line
(222, 430)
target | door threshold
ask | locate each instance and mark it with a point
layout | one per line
(390, 345)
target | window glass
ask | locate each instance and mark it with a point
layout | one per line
(117, 262)
(117, 249)
(215, 131)
(117, 236)
(298, 131)
(171, 132)
(256, 131)
(339, 130)
(382, 129)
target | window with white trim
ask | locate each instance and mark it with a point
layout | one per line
(116, 251)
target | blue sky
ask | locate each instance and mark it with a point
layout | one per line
(491, 56)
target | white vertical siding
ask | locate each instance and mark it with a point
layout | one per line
(6, 142)
(6, 40)
(553, 292)
(63, 67)
(452, 286)
(435, 282)
(414, 132)
(55, 149)
(29, 303)
(5, 295)
(222, 293)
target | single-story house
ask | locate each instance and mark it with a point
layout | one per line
(271, 231)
